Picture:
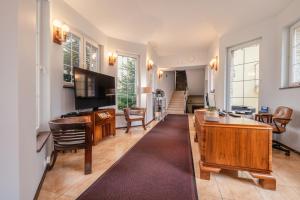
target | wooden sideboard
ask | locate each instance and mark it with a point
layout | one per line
(235, 144)
(104, 124)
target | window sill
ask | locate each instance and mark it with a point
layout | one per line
(289, 87)
(41, 140)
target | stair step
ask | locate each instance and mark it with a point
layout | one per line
(176, 105)
(176, 109)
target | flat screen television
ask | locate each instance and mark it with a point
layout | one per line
(93, 90)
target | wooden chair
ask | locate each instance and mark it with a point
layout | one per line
(72, 133)
(278, 121)
(134, 114)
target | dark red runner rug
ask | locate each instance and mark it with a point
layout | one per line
(158, 167)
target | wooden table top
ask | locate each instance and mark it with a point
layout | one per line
(230, 121)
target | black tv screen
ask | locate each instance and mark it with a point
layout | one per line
(93, 90)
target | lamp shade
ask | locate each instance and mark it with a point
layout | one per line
(146, 90)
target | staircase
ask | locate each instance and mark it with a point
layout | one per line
(177, 103)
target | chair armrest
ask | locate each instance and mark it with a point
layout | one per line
(281, 120)
(262, 116)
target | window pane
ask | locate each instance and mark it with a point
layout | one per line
(250, 88)
(237, 89)
(91, 57)
(75, 43)
(131, 100)
(244, 76)
(236, 102)
(238, 57)
(75, 59)
(126, 82)
(296, 73)
(131, 88)
(121, 102)
(252, 102)
(71, 50)
(237, 73)
(296, 55)
(67, 73)
(251, 71)
(67, 57)
(67, 43)
(252, 53)
(94, 58)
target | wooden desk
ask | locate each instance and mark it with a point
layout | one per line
(235, 144)
(103, 127)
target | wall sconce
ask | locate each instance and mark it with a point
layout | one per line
(214, 63)
(112, 58)
(60, 32)
(150, 65)
(160, 74)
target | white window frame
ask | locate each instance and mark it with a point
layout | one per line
(229, 65)
(81, 46)
(137, 80)
(92, 42)
(291, 54)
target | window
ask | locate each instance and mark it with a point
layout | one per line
(72, 56)
(126, 82)
(91, 56)
(295, 54)
(243, 71)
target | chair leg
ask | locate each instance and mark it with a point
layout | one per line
(143, 121)
(52, 160)
(128, 126)
(278, 146)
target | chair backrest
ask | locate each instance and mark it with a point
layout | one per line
(134, 111)
(71, 133)
(283, 115)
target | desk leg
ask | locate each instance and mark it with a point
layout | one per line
(205, 171)
(196, 137)
(266, 181)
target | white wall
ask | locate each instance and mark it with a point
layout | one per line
(270, 31)
(62, 99)
(167, 84)
(186, 59)
(9, 182)
(195, 81)
(21, 166)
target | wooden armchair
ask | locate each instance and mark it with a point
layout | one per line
(134, 114)
(72, 133)
(278, 121)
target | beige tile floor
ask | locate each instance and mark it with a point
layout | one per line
(67, 181)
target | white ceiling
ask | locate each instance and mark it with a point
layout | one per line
(173, 25)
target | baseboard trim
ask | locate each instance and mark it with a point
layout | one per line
(38, 190)
(122, 127)
(289, 148)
